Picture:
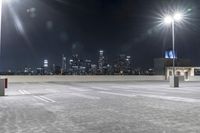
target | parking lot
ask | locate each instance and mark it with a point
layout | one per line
(100, 107)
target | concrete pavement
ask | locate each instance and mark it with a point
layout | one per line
(100, 107)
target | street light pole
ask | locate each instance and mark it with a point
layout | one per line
(173, 46)
(171, 19)
(174, 80)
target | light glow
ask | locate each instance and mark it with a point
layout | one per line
(168, 19)
(178, 16)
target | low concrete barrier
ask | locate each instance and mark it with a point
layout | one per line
(2, 87)
(15, 79)
(194, 78)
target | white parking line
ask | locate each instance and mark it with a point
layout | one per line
(76, 89)
(41, 99)
(168, 90)
(145, 92)
(101, 88)
(118, 94)
(51, 100)
(50, 90)
(161, 89)
(83, 96)
(24, 92)
(21, 91)
(171, 98)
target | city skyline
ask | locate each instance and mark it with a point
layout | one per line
(66, 63)
(46, 29)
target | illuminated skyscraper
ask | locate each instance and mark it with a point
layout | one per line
(45, 67)
(46, 63)
(123, 65)
(64, 64)
(101, 61)
(75, 65)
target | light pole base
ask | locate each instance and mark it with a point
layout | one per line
(174, 81)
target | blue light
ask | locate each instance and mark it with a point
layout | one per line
(166, 55)
(170, 55)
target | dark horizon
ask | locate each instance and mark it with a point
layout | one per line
(45, 29)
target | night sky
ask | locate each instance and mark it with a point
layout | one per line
(34, 30)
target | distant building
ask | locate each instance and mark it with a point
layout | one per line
(57, 70)
(27, 71)
(123, 65)
(185, 73)
(75, 63)
(40, 71)
(160, 64)
(93, 69)
(101, 62)
(77, 66)
(53, 69)
(46, 66)
(88, 66)
(46, 63)
(64, 65)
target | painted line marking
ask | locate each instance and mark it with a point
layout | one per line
(167, 90)
(83, 96)
(100, 88)
(41, 99)
(170, 98)
(50, 90)
(161, 89)
(21, 91)
(24, 92)
(51, 100)
(64, 87)
(118, 94)
(144, 92)
(76, 89)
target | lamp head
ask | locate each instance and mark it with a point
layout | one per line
(178, 17)
(168, 19)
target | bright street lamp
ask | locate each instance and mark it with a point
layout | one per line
(178, 17)
(172, 19)
(168, 19)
